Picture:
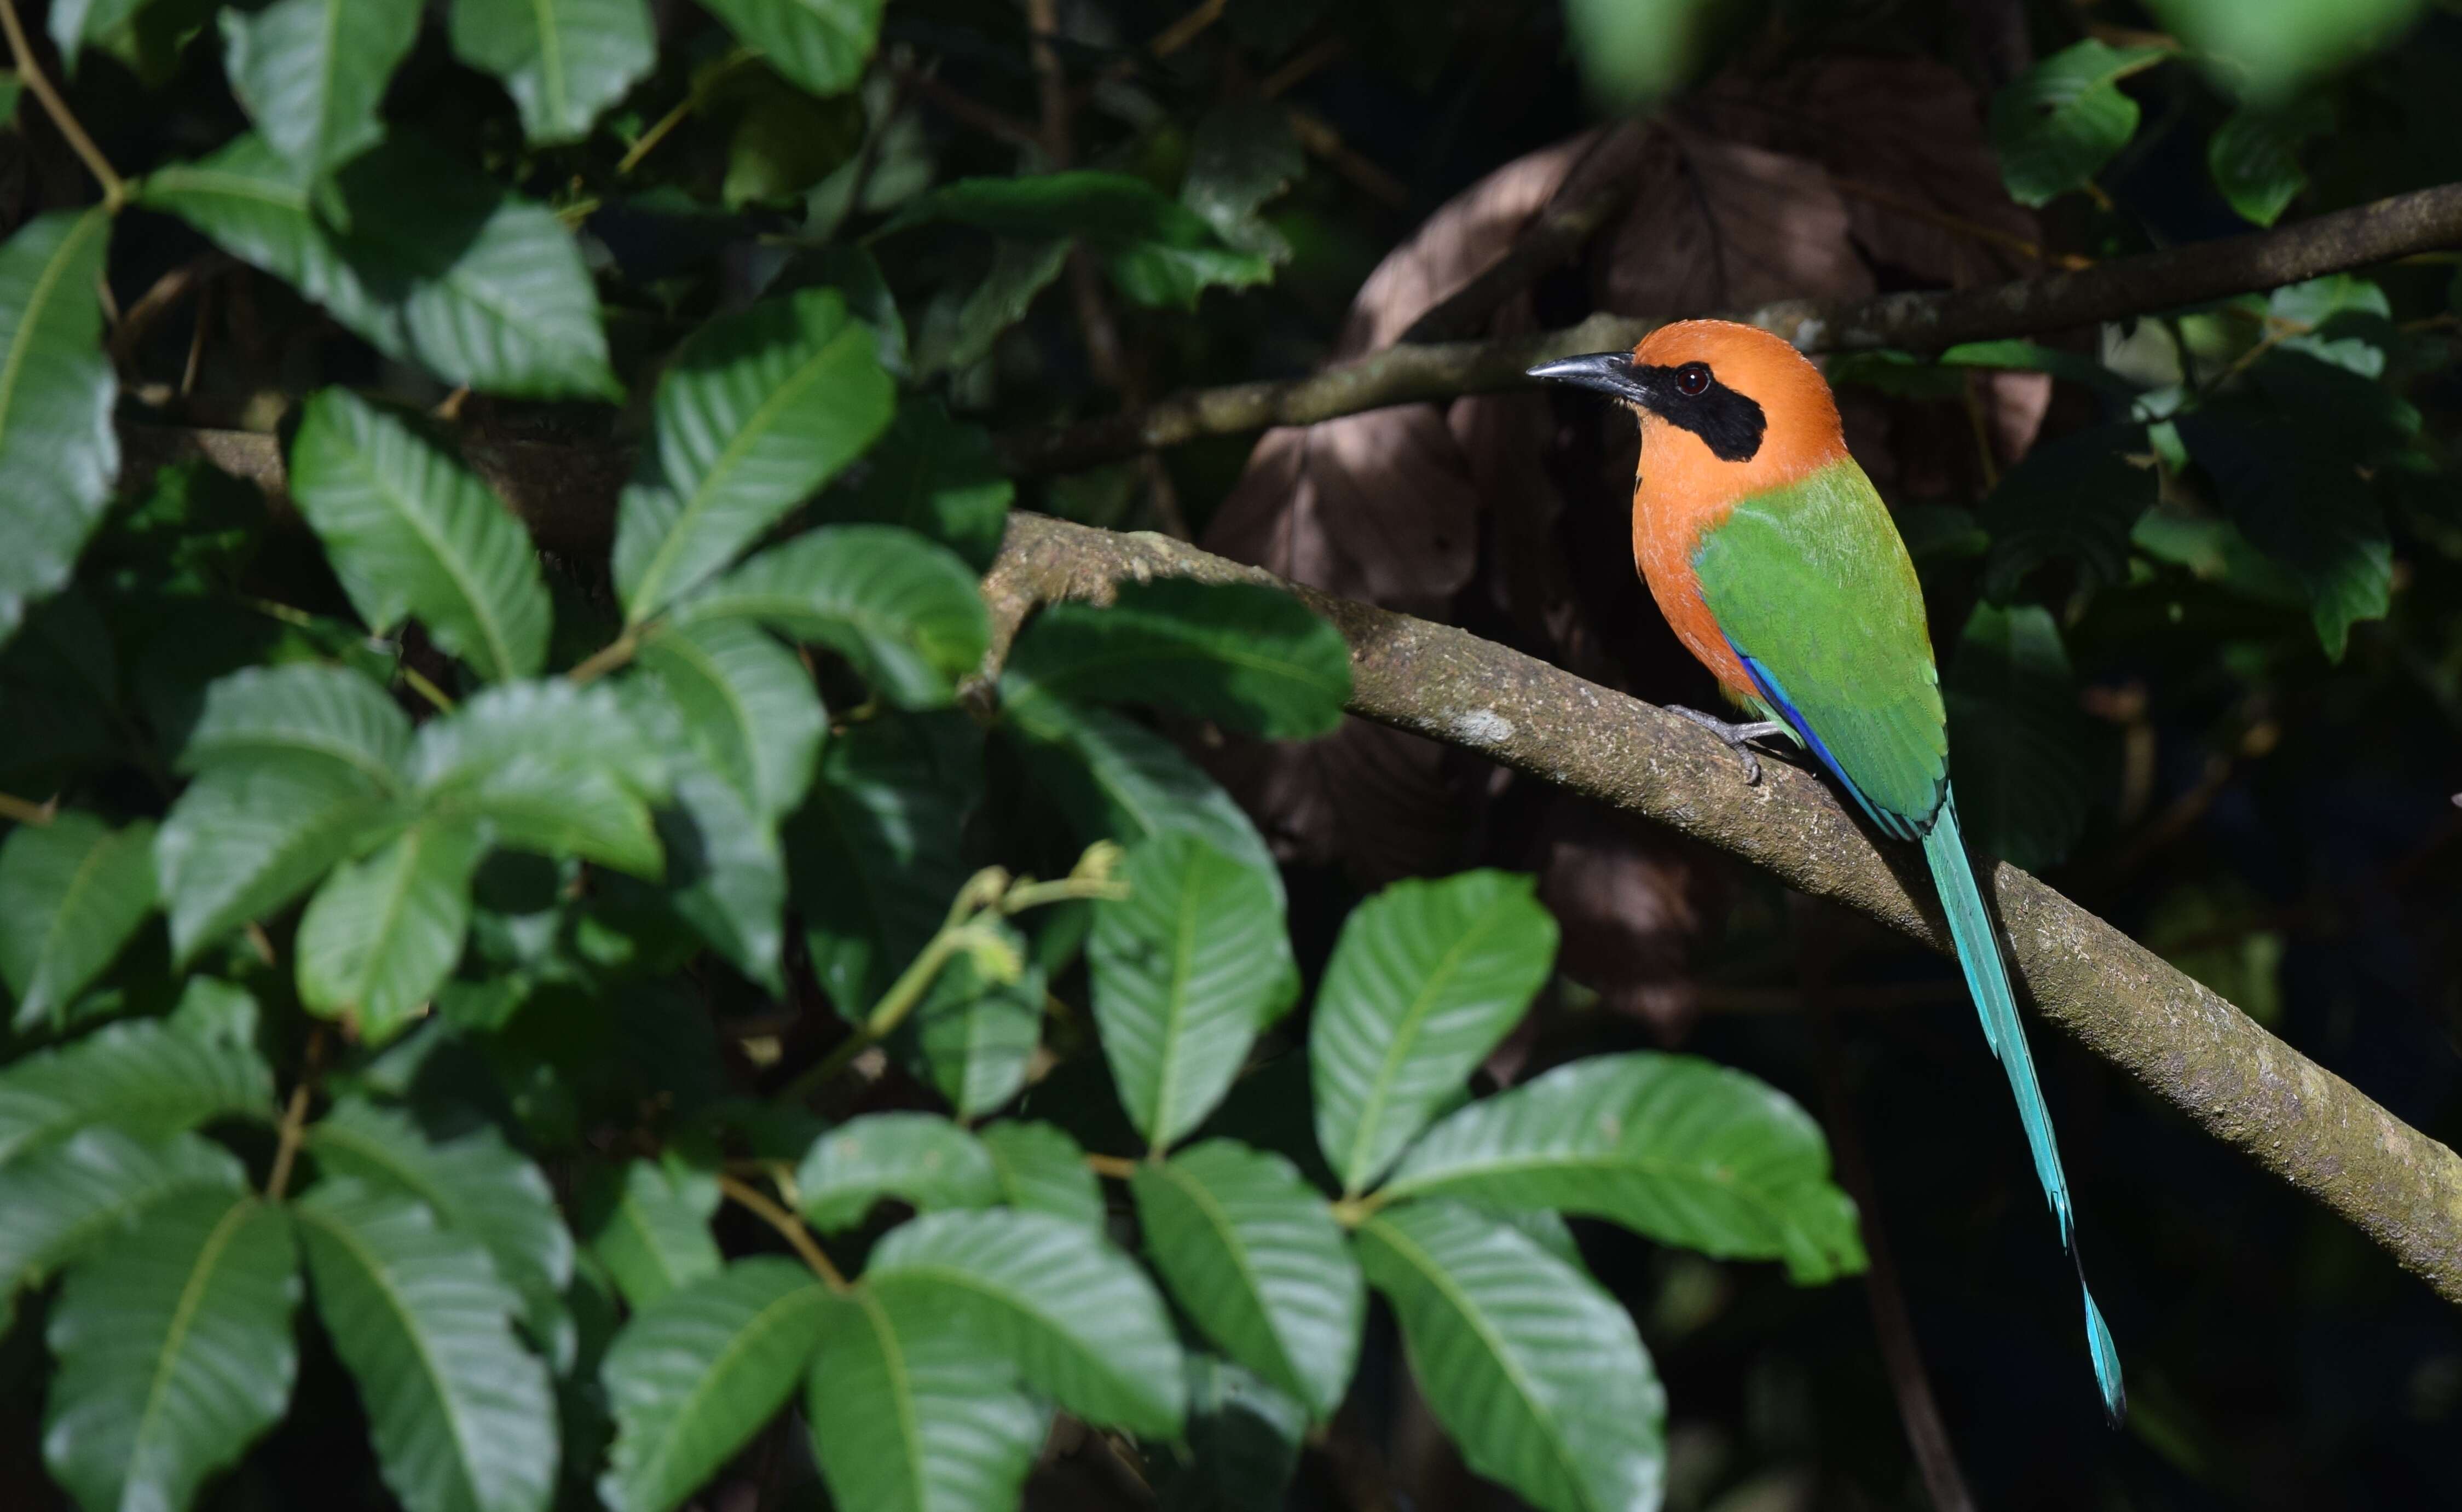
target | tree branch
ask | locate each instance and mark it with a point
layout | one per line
(2422, 221)
(2196, 1051)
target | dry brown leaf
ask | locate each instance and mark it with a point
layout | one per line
(1633, 906)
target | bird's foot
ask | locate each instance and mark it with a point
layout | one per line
(1737, 736)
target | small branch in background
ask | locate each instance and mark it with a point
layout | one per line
(1043, 23)
(1118, 1168)
(665, 125)
(17, 811)
(752, 1200)
(1283, 80)
(138, 320)
(1317, 135)
(114, 188)
(1932, 215)
(294, 1113)
(964, 109)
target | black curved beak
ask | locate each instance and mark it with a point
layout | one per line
(1610, 373)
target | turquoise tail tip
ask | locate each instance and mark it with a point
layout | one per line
(2106, 1359)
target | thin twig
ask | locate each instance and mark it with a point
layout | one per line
(294, 1113)
(1317, 135)
(1119, 1168)
(966, 108)
(607, 657)
(18, 811)
(694, 96)
(1282, 80)
(115, 190)
(791, 1228)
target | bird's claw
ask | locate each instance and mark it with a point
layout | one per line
(1734, 736)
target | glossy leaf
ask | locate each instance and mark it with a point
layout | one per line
(381, 933)
(141, 1076)
(2255, 156)
(747, 706)
(307, 708)
(875, 856)
(2074, 499)
(563, 61)
(2026, 774)
(460, 1414)
(938, 478)
(248, 836)
(919, 1158)
(1244, 1443)
(650, 1227)
(974, 1035)
(71, 893)
(1425, 978)
(1078, 1318)
(1534, 1371)
(1186, 969)
(754, 412)
(820, 44)
(552, 768)
(905, 612)
(67, 1199)
(2305, 506)
(176, 1350)
(697, 1374)
(1677, 1149)
(2056, 125)
(312, 72)
(1042, 1170)
(725, 873)
(1250, 658)
(913, 1412)
(1253, 1255)
(58, 446)
(412, 532)
(959, 334)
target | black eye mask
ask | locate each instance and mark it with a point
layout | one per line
(1731, 424)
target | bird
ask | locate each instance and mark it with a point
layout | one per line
(1777, 566)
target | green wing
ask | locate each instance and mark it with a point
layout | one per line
(1813, 587)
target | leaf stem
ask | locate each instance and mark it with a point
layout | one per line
(420, 685)
(788, 1225)
(665, 126)
(1119, 1168)
(294, 1113)
(607, 657)
(114, 188)
(38, 815)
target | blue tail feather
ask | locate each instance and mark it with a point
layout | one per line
(1978, 955)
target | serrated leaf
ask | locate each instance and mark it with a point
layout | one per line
(912, 1412)
(1248, 657)
(726, 876)
(307, 708)
(755, 411)
(906, 613)
(696, 1374)
(747, 706)
(2059, 123)
(71, 893)
(476, 1184)
(1534, 1371)
(143, 1077)
(381, 933)
(66, 1199)
(937, 477)
(412, 532)
(563, 61)
(1253, 1255)
(248, 836)
(2305, 507)
(2074, 499)
(820, 44)
(1079, 1319)
(1424, 981)
(58, 446)
(1676, 1149)
(1186, 969)
(175, 1350)
(650, 1227)
(2025, 777)
(2255, 156)
(974, 1035)
(460, 1414)
(919, 1158)
(440, 267)
(312, 72)
(1042, 1170)
(552, 768)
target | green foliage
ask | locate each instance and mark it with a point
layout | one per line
(55, 437)
(2024, 780)
(2255, 156)
(2055, 127)
(71, 894)
(925, 1162)
(312, 71)
(563, 61)
(1157, 250)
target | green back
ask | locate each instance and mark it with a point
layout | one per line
(1812, 582)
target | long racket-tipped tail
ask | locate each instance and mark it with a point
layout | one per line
(1978, 954)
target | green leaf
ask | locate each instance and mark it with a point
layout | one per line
(1243, 154)
(1187, 968)
(2074, 499)
(460, 1414)
(695, 1375)
(1248, 657)
(1243, 1441)
(71, 894)
(974, 1034)
(747, 706)
(248, 836)
(312, 72)
(755, 411)
(2025, 779)
(1157, 250)
(726, 875)
(555, 769)
(921, 1158)
(2060, 122)
(938, 478)
(381, 935)
(2305, 507)
(2263, 49)
(175, 1350)
(1535, 1373)
(958, 334)
(412, 532)
(477, 1185)
(1253, 1255)
(1081, 1322)
(1042, 1170)
(2033, 357)
(650, 1227)
(1425, 980)
(58, 446)
(1673, 1147)
(144, 1078)
(820, 44)
(439, 266)
(563, 61)
(307, 708)
(913, 1412)
(906, 613)
(66, 1199)
(2255, 156)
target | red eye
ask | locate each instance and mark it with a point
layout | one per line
(1693, 379)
